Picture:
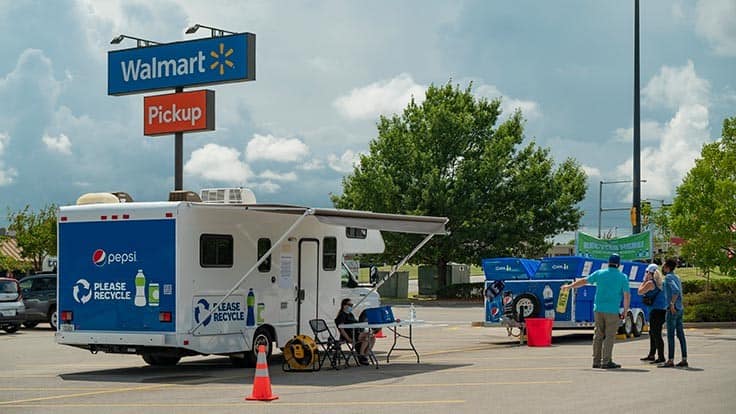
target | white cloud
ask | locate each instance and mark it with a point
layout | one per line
(664, 165)
(651, 131)
(344, 163)
(384, 97)
(674, 87)
(714, 20)
(6, 175)
(591, 171)
(529, 109)
(218, 163)
(267, 187)
(270, 175)
(313, 164)
(268, 147)
(60, 144)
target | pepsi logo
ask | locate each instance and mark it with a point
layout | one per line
(98, 257)
(494, 311)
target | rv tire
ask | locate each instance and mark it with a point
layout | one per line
(638, 325)
(261, 337)
(161, 360)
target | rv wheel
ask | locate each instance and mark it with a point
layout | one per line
(525, 304)
(638, 326)
(261, 337)
(160, 360)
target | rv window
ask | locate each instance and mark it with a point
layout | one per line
(263, 246)
(216, 250)
(329, 253)
(356, 233)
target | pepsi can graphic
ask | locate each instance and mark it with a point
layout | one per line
(153, 294)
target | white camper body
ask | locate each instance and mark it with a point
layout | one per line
(171, 279)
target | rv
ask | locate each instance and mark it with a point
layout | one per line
(165, 280)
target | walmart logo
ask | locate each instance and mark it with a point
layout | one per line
(221, 59)
(139, 69)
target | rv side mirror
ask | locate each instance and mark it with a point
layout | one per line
(373, 275)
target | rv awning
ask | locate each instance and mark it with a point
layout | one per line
(399, 223)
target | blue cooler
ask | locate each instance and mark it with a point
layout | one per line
(381, 314)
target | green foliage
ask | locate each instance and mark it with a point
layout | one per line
(446, 157)
(9, 263)
(710, 307)
(35, 233)
(720, 286)
(704, 209)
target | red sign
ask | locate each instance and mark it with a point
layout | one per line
(179, 112)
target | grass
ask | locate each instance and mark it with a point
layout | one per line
(693, 273)
(413, 271)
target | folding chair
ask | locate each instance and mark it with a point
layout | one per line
(331, 346)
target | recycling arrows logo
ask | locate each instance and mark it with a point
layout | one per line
(81, 291)
(202, 307)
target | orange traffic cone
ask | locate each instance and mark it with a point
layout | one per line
(380, 334)
(262, 383)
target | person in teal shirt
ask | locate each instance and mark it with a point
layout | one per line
(611, 287)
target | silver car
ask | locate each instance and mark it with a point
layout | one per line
(12, 310)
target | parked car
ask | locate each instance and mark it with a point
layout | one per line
(12, 310)
(39, 297)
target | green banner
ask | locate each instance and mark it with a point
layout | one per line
(634, 247)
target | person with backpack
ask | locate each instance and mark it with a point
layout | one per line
(653, 296)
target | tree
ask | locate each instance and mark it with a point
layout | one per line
(447, 157)
(35, 233)
(704, 210)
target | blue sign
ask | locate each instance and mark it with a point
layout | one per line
(118, 275)
(206, 61)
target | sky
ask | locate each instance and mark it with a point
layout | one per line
(326, 70)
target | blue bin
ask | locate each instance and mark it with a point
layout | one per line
(381, 314)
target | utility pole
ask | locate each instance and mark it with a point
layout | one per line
(636, 213)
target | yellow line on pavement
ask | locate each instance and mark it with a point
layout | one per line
(112, 390)
(240, 404)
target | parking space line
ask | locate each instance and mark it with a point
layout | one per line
(240, 404)
(111, 391)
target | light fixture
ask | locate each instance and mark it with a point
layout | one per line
(141, 42)
(215, 32)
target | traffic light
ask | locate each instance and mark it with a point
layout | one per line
(633, 216)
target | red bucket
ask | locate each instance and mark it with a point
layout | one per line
(539, 331)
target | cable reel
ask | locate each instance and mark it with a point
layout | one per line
(301, 354)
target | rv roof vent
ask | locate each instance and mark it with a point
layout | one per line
(184, 196)
(228, 195)
(97, 198)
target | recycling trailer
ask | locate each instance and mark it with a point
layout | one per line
(508, 301)
(170, 279)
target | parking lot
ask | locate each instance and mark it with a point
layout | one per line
(463, 369)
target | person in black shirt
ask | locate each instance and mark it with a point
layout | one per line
(363, 340)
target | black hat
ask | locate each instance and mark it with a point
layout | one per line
(615, 259)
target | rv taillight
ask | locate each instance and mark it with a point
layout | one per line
(164, 316)
(66, 316)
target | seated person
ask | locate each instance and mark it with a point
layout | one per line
(364, 340)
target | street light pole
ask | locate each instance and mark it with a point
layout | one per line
(637, 132)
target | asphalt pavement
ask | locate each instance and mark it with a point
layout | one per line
(463, 369)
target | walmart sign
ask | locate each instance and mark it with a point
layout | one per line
(208, 61)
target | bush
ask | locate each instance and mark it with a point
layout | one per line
(463, 291)
(710, 307)
(716, 286)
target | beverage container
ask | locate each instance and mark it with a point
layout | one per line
(259, 313)
(140, 289)
(250, 319)
(562, 300)
(412, 313)
(548, 295)
(153, 294)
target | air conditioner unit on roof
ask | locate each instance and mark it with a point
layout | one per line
(228, 196)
